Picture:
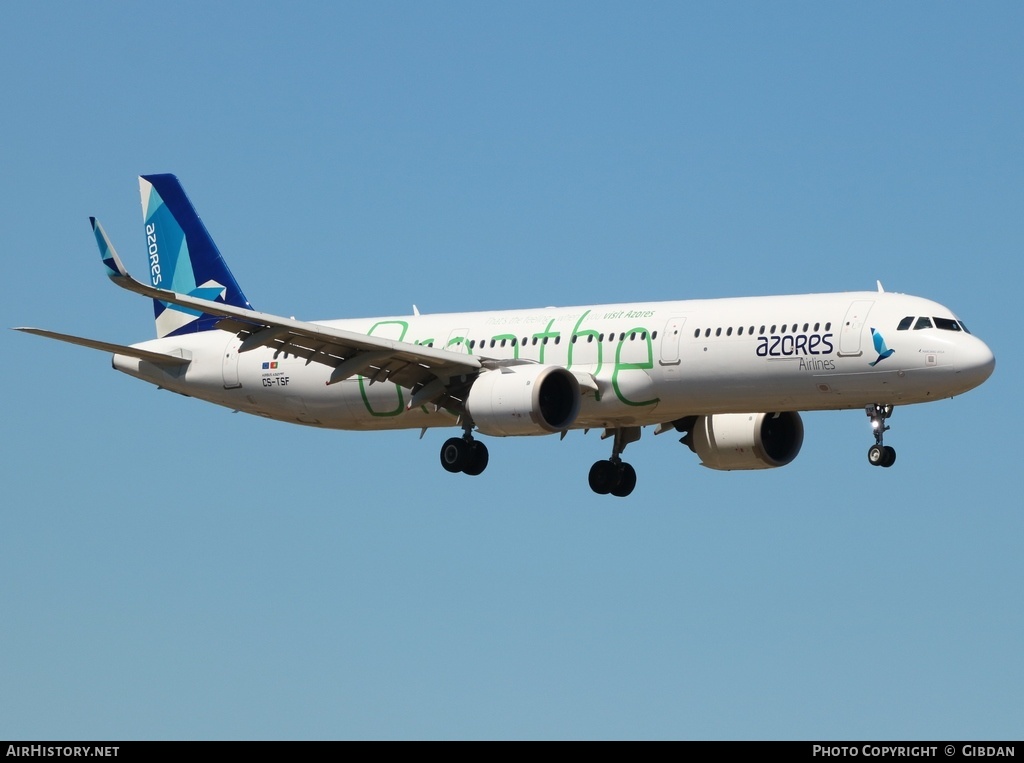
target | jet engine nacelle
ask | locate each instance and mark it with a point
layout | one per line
(524, 400)
(729, 441)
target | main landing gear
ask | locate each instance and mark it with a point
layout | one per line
(615, 476)
(879, 454)
(464, 454)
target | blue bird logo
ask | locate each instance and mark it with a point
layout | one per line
(880, 348)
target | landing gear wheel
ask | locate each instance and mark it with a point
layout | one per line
(876, 455)
(455, 454)
(606, 477)
(603, 477)
(477, 461)
(626, 481)
(881, 455)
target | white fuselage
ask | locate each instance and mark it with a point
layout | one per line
(652, 362)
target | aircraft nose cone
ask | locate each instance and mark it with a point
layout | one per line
(976, 361)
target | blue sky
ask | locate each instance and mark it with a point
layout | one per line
(171, 570)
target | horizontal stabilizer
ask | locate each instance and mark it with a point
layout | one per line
(157, 358)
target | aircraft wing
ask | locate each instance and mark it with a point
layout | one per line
(349, 353)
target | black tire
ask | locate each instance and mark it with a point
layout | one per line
(626, 481)
(889, 457)
(876, 455)
(478, 457)
(455, 455)
(603, 477)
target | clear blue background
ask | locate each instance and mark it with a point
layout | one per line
(169, 569)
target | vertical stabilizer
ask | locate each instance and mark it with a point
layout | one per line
(182, 257)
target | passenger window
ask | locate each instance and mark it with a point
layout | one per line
(816, 325)
(739, 331)
(905, 323)
(923, 323)
(707, 333)
(718, 332)
(728, 331)
(696, 334)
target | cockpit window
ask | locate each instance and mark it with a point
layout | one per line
(947, 324)
(905, 323)
(966, 330)
(923, 323)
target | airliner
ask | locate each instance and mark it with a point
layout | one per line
(728, 375)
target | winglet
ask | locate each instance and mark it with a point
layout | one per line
(115, 268)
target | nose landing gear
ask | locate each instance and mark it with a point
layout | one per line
(880, 454)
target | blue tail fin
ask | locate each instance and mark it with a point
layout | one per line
(183, 257)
